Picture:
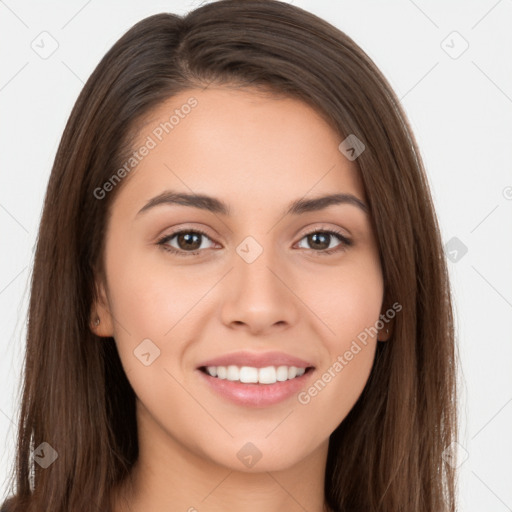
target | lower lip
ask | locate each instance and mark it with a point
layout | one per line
(256, 395)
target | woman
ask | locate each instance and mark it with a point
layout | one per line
(190, 345)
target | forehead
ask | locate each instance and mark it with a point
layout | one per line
(240, 144)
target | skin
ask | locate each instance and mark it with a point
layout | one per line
(257, 153)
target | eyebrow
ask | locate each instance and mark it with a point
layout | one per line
(214, 205)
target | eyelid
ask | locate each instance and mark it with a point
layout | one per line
(313, 228)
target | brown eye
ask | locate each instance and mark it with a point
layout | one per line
(320, 241)
(188, 242)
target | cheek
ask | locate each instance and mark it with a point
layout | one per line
(349, 303)
(347, 299)
(149, 304)
(148, 296)
(147, 300)
(351, 312)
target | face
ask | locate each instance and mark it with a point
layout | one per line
(242, 281)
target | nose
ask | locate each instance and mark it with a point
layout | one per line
(259, 296)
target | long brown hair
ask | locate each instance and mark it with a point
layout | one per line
(388, 453)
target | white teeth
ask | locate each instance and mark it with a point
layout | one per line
(249, 374)
(267, 375)
(282, 373)
(233, 373)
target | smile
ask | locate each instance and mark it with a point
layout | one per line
(263, 387)
(252, 375)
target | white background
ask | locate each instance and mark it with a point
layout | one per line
(460, 110)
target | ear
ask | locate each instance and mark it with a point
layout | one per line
(101, 321)
(386, 332)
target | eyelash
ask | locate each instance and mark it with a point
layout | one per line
(345, 242)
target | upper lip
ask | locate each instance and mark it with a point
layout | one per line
(256, 360)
